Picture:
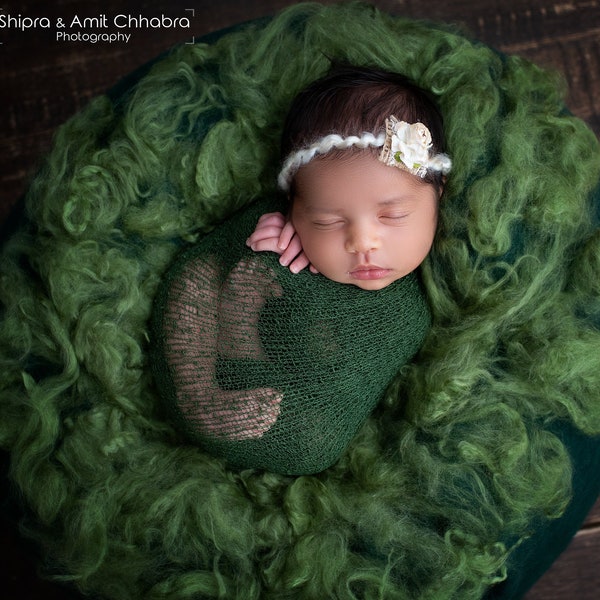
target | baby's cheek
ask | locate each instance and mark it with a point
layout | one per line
(328, 252)
(311, 245)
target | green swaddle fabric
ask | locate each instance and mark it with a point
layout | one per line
(274, 370)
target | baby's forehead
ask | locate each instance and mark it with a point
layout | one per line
(329, 180)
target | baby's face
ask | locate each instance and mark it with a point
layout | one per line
(362, 222)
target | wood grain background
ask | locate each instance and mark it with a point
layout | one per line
(44, 81)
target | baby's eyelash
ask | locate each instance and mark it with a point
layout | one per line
(395, 216)
(327, 223)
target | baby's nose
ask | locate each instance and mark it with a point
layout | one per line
(362, 240)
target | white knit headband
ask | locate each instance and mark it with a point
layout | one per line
(403, 145)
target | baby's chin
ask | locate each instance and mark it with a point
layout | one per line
(375, 283)
(373, 286)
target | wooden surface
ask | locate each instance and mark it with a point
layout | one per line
(44, 81)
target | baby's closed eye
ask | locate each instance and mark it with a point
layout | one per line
(328, 223)
(394, 217)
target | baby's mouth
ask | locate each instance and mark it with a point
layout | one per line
(366, 272)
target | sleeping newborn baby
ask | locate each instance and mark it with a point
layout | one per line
(273, 370)
(275, 366)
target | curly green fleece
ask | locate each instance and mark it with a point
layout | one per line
(458, 461)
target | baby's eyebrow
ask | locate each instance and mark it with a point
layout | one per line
(320, 208)
(315, 208)
(395, 200)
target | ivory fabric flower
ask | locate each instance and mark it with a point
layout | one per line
(406, 146)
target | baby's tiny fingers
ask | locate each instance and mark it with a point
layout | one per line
(288, 232)
(266, 244)
(264, 233)
(291, 252)
(301, 262)
(275, 218)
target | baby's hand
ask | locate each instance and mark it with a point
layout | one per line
(274, 233)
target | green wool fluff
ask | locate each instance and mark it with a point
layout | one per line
(445, 479)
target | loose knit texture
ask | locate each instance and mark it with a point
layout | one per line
(459, 459)
(269, 369)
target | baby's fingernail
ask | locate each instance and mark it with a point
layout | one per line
(284, 261)
(294, 269)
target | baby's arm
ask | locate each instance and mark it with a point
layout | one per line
(275, 233)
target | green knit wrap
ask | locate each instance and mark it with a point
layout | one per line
(455, 480)
(274, 370)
